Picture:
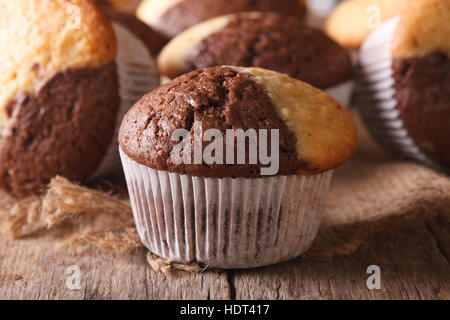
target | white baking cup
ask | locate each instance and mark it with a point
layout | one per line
(137, 76)
(342, 93)
(225, 223)
(376, 95)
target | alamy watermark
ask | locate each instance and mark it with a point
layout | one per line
(74, 20)
(230, 150)
(374, 17)
(73, 282)
(374, 281)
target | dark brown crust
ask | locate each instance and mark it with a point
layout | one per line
(63, 129)
(219, 97)
(423, 94)
(276, 43)
(190, 12)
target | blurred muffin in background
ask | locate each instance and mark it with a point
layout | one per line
(353, 20)
(170, 17)
(60, 95)
(404, 83)
(264, 40)
(123, 12)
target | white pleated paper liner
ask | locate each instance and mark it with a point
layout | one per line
(376, 95)
(342, 93)
(137, 76)
(225, 223)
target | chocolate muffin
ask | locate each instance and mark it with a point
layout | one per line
(262, 40)
(200, 193)
(123, 12)
(353, 20)
(170, 17)
(59, 96)
(405, 82)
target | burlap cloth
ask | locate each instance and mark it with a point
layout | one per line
(373, 192)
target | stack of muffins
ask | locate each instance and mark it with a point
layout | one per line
(229, 162)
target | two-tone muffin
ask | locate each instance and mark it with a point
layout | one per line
(353, 20)
(404, 82)
(263, 40)
(230, 166)
(170, 17)
(59, 97)
(62, 63)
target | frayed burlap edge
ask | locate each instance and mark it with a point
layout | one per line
(167, 265)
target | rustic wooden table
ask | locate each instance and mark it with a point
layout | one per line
(414, 265)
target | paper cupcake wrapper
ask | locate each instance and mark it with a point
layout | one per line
(137, 76)
(225, 223)
(342, 93)
(376, 95)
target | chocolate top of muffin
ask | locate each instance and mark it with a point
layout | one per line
(267, 41)
(171, 17)
(315, 132)
(64, 128)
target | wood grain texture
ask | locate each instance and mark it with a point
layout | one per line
(414, 265)
(33, 269)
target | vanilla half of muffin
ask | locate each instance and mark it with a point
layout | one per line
(59, 96)
(221, 211)
(353, 20)
(404, 83)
